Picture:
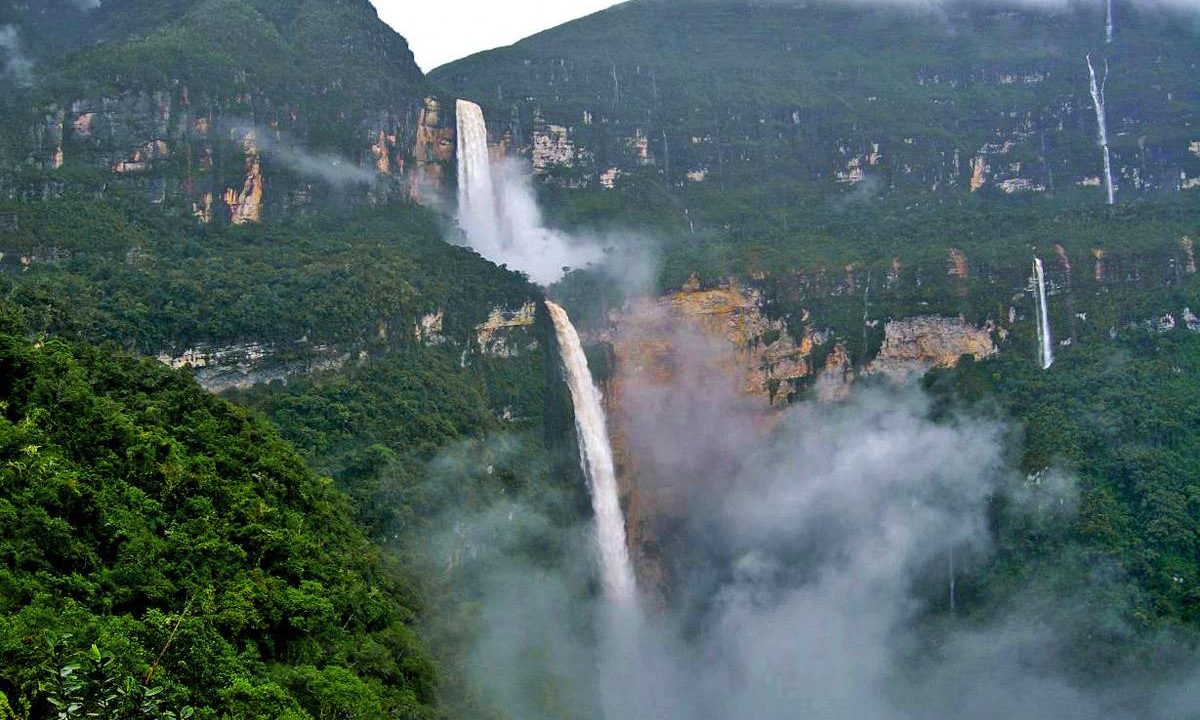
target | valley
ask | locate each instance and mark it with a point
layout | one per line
(692, 359)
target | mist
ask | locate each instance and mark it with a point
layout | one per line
(277, 147)
(512, 231)
(17, 65)
(808, 574)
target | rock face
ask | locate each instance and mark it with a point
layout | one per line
(657, 95)
(718, 343)
(259, 141)
(701, 356)
(914, 345)
(507, 332)
(229, 367)
(245, 206)
(433, 150)
(767, 362)
(429, 329)
(552, 148)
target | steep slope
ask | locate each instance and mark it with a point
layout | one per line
(228, 186)
(966, 98)
(189, 544)
(231, 110)
(245, 305)
(842, 193)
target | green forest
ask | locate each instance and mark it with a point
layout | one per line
(266, 467)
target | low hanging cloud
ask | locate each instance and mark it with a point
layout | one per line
(810, 570)
(17, 64)
(278, 147)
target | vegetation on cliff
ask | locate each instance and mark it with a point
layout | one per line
(189, 544)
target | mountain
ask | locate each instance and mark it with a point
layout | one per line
(807, 204)
(969, 97)
(838, 193)
(228, 109)
(228, 188)
(214, 573)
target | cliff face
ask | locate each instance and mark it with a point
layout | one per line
(733, 353)
(697, 355)
(234, 110)
(913, 345)
(832, 95)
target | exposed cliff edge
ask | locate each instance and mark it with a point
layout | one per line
(912, 346)
(721, 341)
(234, 111)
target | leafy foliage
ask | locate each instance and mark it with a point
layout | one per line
(111, 272)
(1124, 422)
(146, 517)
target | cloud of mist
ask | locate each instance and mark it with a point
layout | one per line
(511, 230)
(16, 64)
(277, 147)
(809, 566)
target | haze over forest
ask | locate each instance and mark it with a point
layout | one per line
(689, 359)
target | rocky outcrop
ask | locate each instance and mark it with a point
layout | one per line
(914, 345)
(245, 206)
(552, 147)
(767, 361)
(229, 367)
(506, 333)
(979, 170)
(433, 150)
(834, 381)
(959, 267)
(429, 329)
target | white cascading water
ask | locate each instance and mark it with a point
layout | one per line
(498, 212)
(1045, 340)
(476, 192)
(1109, 28)
(597, 461)
(1097, 90)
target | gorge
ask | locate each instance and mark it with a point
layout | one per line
(720, 360)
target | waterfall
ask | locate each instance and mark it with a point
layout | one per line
(597, 462)
(1108, 23)
(476, 193)
(1045, 341)
(498, 212)
(1097, 89)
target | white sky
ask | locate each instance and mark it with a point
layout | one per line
(443, 30)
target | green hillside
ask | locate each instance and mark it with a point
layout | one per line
(832, 96)
(187, 542)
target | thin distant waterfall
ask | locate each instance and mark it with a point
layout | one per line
(596, 459)
(1097, 89)
(1045, 341)
(1108, 22)
(476, 192)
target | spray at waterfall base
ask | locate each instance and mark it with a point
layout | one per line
(811, 572)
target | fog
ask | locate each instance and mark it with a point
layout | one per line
(278, 147)
(17, 65)
(512, 232)
(808, 565)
